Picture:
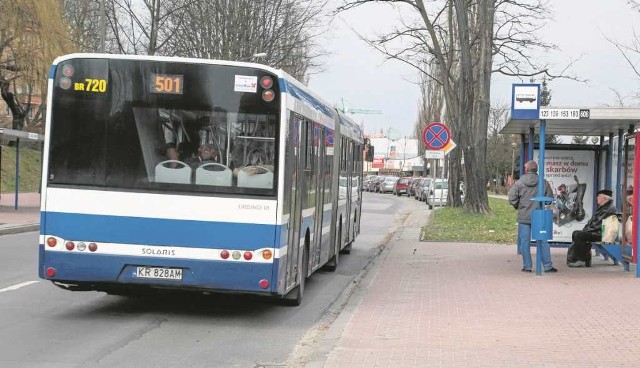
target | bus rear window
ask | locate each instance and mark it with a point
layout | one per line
(190, 132)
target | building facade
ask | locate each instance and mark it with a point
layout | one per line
(395, 155)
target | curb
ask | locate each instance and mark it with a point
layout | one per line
(17, 229)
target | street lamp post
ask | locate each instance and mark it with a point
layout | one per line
(513, 160)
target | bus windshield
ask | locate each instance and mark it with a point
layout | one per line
(163, 126)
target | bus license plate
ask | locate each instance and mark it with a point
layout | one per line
(158, 273)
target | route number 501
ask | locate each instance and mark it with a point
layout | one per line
(165, 83)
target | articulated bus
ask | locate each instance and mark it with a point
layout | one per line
(203, 175)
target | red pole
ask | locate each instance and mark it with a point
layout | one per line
(636, 187)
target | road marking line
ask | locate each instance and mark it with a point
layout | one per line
(18, 286)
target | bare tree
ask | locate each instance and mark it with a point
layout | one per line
(81, 17)
(285, 30)
(499, 161)
(630, 53)
(469, 41)
(430, 106)
(145, 26)
(237, 29)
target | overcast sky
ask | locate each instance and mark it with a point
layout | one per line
(359, 75)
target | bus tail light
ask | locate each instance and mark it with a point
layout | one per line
(224, 254)
(235, 255)
(81, 246)
(64, 83)
(266, 82)
(267, 254)
(248, 256)
(67, 70)
(93, 247)
(52, 242)
(268, 95)
(264, 283)
(70, 245)
(50, 272)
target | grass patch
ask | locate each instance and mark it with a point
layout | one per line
(454, 224)
(30, 169)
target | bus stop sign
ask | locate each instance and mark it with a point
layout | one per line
(436, 136)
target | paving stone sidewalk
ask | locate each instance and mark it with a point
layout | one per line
(25, 218)
(434, 304)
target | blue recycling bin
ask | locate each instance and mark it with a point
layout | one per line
(541, 224)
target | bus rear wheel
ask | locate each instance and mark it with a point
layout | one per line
(294, 297)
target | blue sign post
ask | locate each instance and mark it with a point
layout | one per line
(541, 219)
(525, 104)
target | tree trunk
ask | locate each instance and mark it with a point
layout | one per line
(455, 166)
(482, 105)
(14, 105)
(154, 11)
(476, 200)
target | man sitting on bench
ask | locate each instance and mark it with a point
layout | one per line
(579, 253)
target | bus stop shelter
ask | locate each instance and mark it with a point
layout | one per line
(17, 136)
(614, 127)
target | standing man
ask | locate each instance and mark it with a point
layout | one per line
(520, 195)
(579, 253)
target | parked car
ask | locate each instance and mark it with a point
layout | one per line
(424, 190)
(370, 183)
(438, 191)
(377, 182)
(367, 181)
(411, 189)
(419, 188)
(388, 184)
(401, 186)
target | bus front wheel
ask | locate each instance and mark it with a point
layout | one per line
(332, 265)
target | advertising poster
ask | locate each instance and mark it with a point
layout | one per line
(570, 174)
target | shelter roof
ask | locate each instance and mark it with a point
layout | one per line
(12, 135)
(601, 121)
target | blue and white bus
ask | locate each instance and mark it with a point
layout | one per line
(204, 175)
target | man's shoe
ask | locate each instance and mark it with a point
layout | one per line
(525, 270)
(576, 264)
(552, 269)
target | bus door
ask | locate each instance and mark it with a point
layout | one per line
(318, 170)
(348, 146)
(308, 185)
(293, 192)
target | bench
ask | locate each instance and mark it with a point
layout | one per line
(614, 251)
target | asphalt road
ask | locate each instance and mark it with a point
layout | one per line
(44, 326)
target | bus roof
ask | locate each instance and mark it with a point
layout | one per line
(349, 128)
(278, 72)
(291, 86)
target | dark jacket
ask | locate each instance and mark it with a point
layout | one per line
(522, 191)
(594, 225)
